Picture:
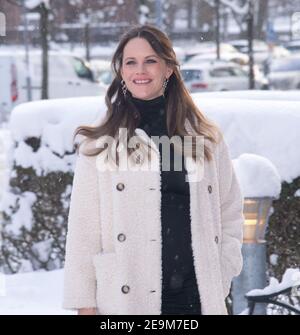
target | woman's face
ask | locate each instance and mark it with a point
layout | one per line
(143, 70)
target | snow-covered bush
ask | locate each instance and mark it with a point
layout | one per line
(35, 205)
(286, 292)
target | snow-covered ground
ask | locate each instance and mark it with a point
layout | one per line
(35, 293)
(40, 293)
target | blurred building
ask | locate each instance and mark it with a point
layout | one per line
(185, 19)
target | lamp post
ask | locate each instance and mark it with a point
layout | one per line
(217, 6)
(26, 43)
(158, 13)
(250, 19)
(253, 275)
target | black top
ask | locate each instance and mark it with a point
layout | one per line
(179, 292)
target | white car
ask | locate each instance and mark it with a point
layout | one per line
(69, 76)
(208, 50)
(261, 50)
(215, 76)
(102, 71)
(285, 73)
(293, 46)
(8, 86)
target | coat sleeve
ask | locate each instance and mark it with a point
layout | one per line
(83, 237)
(232, 219)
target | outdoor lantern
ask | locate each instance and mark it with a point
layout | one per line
(254, 273)
(256, 213)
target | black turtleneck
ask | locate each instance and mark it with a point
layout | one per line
(179, 292)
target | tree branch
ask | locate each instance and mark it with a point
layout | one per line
(14, 3)
(232, 4)
(235, 7)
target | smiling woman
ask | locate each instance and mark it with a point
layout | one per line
(152, 241)
(143, 72)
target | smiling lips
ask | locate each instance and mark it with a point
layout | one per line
(141, 81)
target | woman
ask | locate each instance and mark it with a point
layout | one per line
(152, 240)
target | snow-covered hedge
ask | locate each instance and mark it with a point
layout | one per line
(35, 206)
(36, 203)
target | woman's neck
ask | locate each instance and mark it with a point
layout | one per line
(156, 103)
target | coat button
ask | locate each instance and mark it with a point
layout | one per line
(125, 289)
(217, 239)
(139, 160)
(120, 187)
(209, 188)
(121, 237)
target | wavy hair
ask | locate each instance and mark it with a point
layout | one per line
(121, 112)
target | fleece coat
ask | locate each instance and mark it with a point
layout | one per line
(113, 251)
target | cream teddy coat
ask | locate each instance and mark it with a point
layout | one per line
(113, 250)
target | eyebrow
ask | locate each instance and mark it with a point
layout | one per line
(145, 57)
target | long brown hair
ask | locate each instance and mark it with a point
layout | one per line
(121, 112)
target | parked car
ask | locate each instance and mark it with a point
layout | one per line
(261, 50)
(285, 73)
(69, 76)
(216, 76)
(8, 86)
(293, 46)
(102, 71)
(208, 50)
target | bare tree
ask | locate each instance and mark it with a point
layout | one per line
(245, 11)
(262, 15)
(190, 13)
(43, 8)
(44, 22)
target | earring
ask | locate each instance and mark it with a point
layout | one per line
(165, 83)
(124, 88)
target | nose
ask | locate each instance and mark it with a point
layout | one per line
(140, 69)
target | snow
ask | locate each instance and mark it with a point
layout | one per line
(290, 278)
(31, 4)
(255, 95)
(33, 293)
(23, 216)
(2, 285)
(257, 176)
(54, 122)
(274, 259)
(143, 14)
(297, 193)
(43, 161)
(264, 125)
(5, 147)
(261, 123)
(41, 292)
(43, 249)
(234, 6)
